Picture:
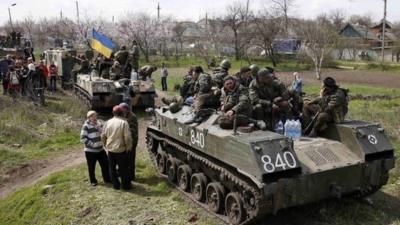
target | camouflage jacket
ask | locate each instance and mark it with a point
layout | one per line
(133, 127)
(243, 81)
(203, 84)
(218, 78)
(264, 94)
(187, 88)
(122, 56)
(236, 100)
(334, 102)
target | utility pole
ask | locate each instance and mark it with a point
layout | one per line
(247, 9)
(383, 31)
(77, 12)
(9, 14)
(158, 11)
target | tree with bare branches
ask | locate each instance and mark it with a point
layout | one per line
(318, 40)
(267, 28)
(236, 19)
(140, 27)
(283, 7)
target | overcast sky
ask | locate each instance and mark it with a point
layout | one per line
(184, 9)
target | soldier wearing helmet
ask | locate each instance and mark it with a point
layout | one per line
(269, 99)
(254, 70)
(221, 73)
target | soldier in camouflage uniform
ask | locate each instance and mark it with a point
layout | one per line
(202, 88)
(135, 56)
(116, 71)
(254, 70)
(235, 102)
(244, 76)
(146, 71)
(133, 127)
(269, 99)
(204, 97)
(221, 73)
(189, 81)
(331, 106)
(122, 55)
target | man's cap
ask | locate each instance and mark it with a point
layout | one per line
(90, 113)
(124, 105)
(117, 109)
(198, 69)
(245, 69)
(329, 82)
(264, 72)
(270, 69)
(229, 78)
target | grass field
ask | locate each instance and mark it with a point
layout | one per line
(29, 132)
(71, 200)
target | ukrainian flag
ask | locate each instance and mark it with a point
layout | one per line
(102, 44)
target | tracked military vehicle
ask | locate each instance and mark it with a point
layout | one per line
(99, 93)
(241, 175)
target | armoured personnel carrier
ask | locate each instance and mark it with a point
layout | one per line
(241, 175)
(98, 92)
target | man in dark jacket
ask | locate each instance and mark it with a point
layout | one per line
(133, 126)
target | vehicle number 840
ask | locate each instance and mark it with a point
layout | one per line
(284, 161)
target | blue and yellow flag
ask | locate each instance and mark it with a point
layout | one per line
(102, 44)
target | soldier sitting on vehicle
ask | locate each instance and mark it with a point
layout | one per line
(204, 97)
(115, 71)
(221, 73)
(146, 71)
(187, 90)
(244, 76)
(331, 106)
(235, 103)
(269, 99)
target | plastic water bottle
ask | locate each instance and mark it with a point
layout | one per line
(279, 127)
(286, 127)
(297, 129)
(134, 75)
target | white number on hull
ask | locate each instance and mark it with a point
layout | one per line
(271, 165)
(197, 138)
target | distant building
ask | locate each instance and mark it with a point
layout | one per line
(363, 42)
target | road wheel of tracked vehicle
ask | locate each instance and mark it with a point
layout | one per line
(215, 196)
(234, 208)
(152, 144)
(161, 159)
(184, 174)
(171, 169)
(198, 186)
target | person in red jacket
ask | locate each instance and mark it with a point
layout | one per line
(53, 77)
(45, 72)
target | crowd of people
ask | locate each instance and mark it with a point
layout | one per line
(20, 75)
(258, 94)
